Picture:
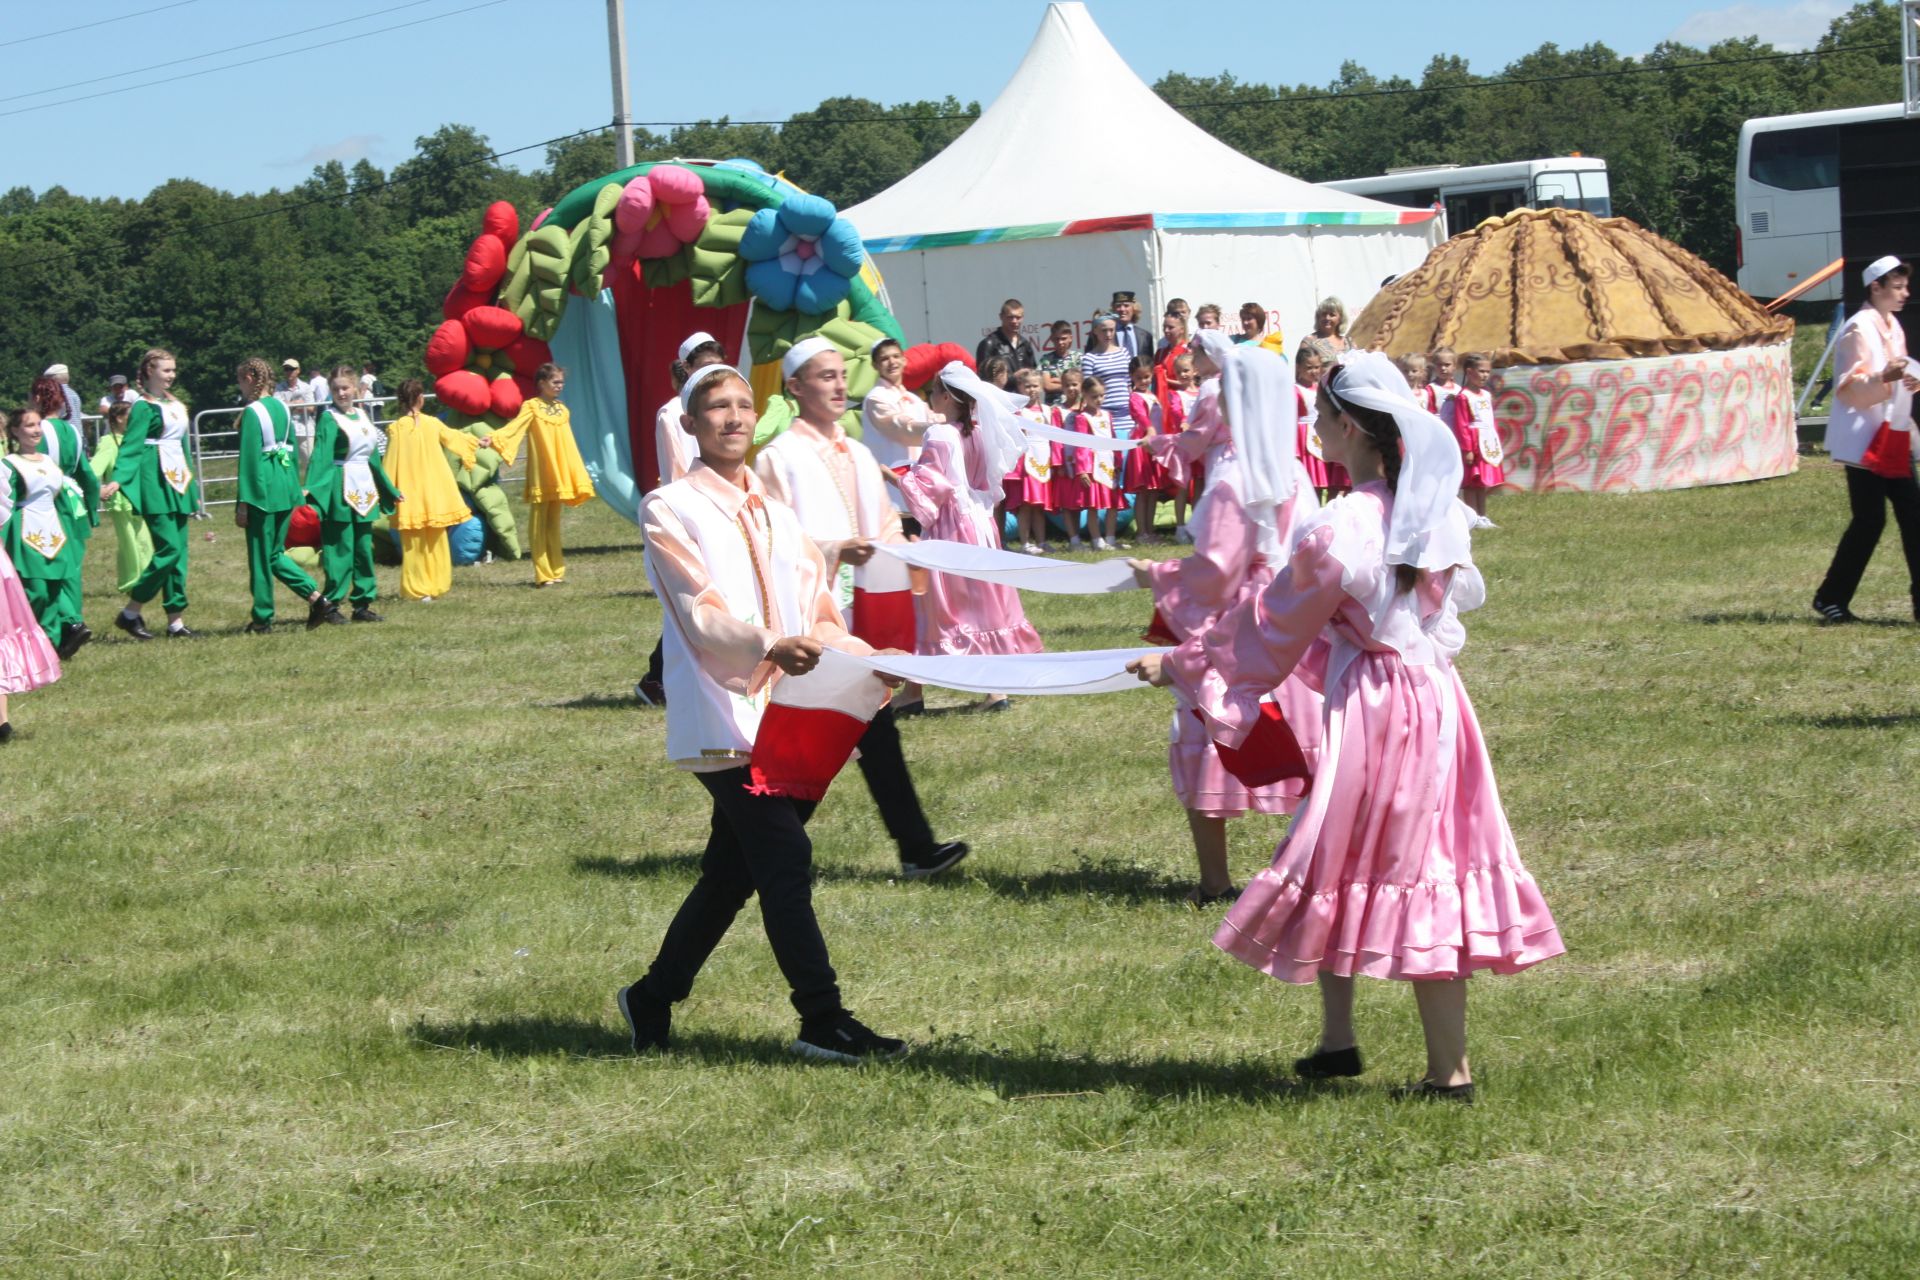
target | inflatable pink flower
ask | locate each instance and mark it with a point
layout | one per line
(659, 211)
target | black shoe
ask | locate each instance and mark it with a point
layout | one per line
(647, 1018)
(133, 626)
(364, 614)
(6, 732)
(942, 857)
(1833, 614)
(72, 636)
(182, 632)
(842, 1038)
(324, 612)
(257, 628)
(908, 710)
(1428, 1091)
(1328, 1064)
(651, 693)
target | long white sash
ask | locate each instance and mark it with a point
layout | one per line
(1035, 674)
(1077, 439)
(1012, 569)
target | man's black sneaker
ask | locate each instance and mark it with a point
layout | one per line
(1833, 614)
(940, 858)
(842, 1038)
(323, 612)
(647, 1018)
(364, 614)
(651, 692)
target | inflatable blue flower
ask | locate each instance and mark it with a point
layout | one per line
(801, 257)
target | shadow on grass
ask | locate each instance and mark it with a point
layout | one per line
(687, 864)
(1106, 878)
(600, 702)
(1854, 720)
(1015, 1076)
(1774, 617)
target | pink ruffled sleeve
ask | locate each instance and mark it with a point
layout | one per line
(928, 486)
(1225, 671)
(1191, 591)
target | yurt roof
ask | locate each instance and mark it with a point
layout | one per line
(1074, 85)
(1551, 286)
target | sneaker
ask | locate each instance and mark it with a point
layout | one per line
(1073, 544)
(1101, 544)
(322, 610)
(364, 614)
(651, 693)
(940, 858)
(1833, 614)
(486, 557)
(842, 1038)
(647, 1018)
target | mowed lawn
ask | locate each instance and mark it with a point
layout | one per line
(311, 943)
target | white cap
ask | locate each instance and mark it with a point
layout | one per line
(1879, 267)
(699, 376)
(801, 352)
(55, 371)
(695, 340)
(881, 342)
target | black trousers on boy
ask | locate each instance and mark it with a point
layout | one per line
(759, 844)
(1869, 496)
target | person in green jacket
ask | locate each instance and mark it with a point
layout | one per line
(133, 548)
(61, 441)
(269, 491)
(156, 474)
(44, 526)
(345, 482)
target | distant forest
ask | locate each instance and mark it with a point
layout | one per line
(353, 262)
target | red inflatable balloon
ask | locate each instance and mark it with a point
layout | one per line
(465, 390)
(486, 264)
(493, 328)
(502, 222)
(507, 397)
(527, 354)
(461, 300)
(448, 348)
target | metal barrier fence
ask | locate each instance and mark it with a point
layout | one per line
(215, 443)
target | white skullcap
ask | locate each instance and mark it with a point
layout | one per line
(881, 342)
(801, 352)
(695, 340)
(1875, 269)
(60, 370)
(699, 376)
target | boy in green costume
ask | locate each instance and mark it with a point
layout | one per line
(154, 472)
(345, 482)
(269, 491)
(133, 549)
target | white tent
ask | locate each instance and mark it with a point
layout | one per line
(1080, 180)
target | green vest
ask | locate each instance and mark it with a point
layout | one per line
(269, 475)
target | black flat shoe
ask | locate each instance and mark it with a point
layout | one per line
(322, 612)
(182, 632)
(6, 732)
(257, 628)
(72, 636)
(1328, 1064)
(364, 614)
(1428, 1091)
(134, 626)
(1196, 898)
(908, 710)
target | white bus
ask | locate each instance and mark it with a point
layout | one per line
(1470, 194)
(1786, 196)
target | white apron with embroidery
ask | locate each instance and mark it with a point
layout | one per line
(356, 477)
(42, 483)
(1104, 472)
(1486, 433)
(829, 514)
(1038, 458)
(171, 444)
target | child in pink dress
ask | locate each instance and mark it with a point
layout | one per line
(951, 490)
(27, 659)
(1096, 476)
(1440, 390)
(1029, 486)
(1329, 478)
(1063, 486)
(1142, 475)
(1400, 863)
(1242, 528)
(1478, 436)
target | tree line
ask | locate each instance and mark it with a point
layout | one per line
(352, 263)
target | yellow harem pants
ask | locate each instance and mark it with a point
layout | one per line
(426, 563)
(549, 560)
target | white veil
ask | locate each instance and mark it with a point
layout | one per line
(1217, 346)
(1429, 528)
(1256, 390)
(996, 424)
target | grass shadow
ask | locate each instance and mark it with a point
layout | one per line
(1027, 1075)
(1106, 878)
(687, 864)
(1774, 617)
(1853, 720)
(599, 702)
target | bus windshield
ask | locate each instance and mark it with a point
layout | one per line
(1574, 189)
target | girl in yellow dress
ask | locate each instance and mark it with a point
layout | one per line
(556, 475)
(432, 504)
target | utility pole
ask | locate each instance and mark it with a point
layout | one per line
(622, 108)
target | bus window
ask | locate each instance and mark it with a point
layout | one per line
(1796, 159)
(1556, 191)
(1468, 209)
(1595, 196)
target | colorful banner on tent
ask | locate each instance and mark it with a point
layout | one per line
(1665, 422)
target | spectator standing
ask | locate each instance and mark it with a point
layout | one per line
(1329, 329)
(1128, 331)
(1253, 322)
(58, 372)
(296, 393)
(118, 392)
(1060, 356)
(1007, 341)
(1178, 307)
(1207, 317)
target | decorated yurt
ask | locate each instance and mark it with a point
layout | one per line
(1622, 362)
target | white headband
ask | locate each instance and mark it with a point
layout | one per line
(695, 340)
(801, 352)
(699, 376)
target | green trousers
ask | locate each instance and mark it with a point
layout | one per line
(346, 556)
(166, 574)
(133, 549)
(54, 601)
(267, 559)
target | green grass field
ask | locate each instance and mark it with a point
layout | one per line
(312, 939)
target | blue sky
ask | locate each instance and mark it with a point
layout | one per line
(522, 71)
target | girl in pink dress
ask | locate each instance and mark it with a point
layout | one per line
(1400, 863)
(1029, 485)
(1440, 390)
(951, 490)
(1141, 474)
(1329, 478)
(1096, 475)
(27, 659)
(1242, 528)
(1476, 433)
(1063, 486)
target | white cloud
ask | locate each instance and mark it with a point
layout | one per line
(1788, 26)
(346, 151)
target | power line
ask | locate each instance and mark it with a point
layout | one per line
(88, 26)
(144, 84)
(232, 48)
